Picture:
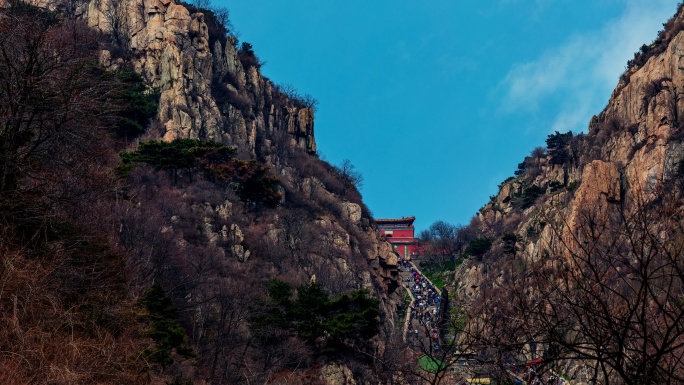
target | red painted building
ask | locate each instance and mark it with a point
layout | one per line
(400, 233)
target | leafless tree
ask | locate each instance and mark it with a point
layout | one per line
(310, 101)
(222, 16)
(54, 106)
(443, 242)
(351, 178)
(116, 17)
(608, 295)
(201, 4)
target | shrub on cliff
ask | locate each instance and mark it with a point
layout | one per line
(137, 104)
(250, 180)
(557, 145)
(290, 92)
(350, 177)
(217, 19)
(670, 29)
(175, 156)
(509, 243)
(479, 247)
(327, 323)
(247, 56)
(529, 196)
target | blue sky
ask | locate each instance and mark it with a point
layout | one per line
(436, 102)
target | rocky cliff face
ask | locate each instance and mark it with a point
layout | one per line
(632, 151)
(211, 91)
(630, 159)
(207, 92)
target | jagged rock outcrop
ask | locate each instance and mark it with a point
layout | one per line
(334, 374)
(206, 91)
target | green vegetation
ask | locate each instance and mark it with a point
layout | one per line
(180, 154)
(137, 104)
(247, 56)
(555, 186)
(510, 178)
(165, 331)
(314, 316)
(479, 247)
(439, 272)
(403, 307)
(44, 16)
(522, 166)
(557, 145)
(431, 364)
(250, 180)
(670, 29)
(436, 278)
(530, 196)
(509, 241)
(459, 320)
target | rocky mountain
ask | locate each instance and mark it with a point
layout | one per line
(578, 231)
(211, 90)
(209, 212)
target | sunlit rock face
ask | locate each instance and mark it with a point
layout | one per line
(631, 151)
(206, 90)
(631, 157)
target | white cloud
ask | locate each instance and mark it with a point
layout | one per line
(584, 70)
(528, 83)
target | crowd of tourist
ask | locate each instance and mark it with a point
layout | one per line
(425, 313)
(425, 307)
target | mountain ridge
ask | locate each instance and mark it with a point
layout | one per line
(575, 206)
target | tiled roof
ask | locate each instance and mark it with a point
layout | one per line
(406, 219)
